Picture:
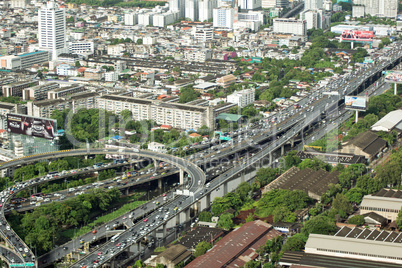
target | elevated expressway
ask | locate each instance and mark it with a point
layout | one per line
(300, 121)
(12, 239)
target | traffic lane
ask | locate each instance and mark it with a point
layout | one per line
(75, 244)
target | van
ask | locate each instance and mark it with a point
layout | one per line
(208, 184)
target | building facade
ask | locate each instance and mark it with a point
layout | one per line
(52, 29)
(242, 98)
(290, 26)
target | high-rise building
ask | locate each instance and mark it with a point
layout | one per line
(191, 10)
(282, 3)
(205, 8)
(290, 26)
(223, 17)
(178, 5)
(52, 30)
(250, 4)
(379, 8)
(268, 3)
(313, 4)
(317, 19)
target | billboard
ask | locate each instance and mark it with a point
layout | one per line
(356, 103)
(393, 77)
(31, 126)
(357, 36)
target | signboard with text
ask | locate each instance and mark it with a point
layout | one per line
(393, 77)
(31, 126)
(357, 36)
(356, 103)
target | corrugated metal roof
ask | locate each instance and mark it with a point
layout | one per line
(388, 122)
(381, 202)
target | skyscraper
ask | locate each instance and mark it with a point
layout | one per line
(177, 5)
(205, 9)
(250, 4)
(52, 30)
(313, 4)
(191, 9)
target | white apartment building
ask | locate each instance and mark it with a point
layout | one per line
(205, 9)
(251, 20)
(282, 3)
(52, 30)
(313, 4)
(358, 11)
(66, 70)
(164, 19)
(181, 116)
(203, 34)
(198, 55)
(145, 19)
(131, 19)
(268, 3)
(191, 10)
(178, 5)
(81, 47)
(290, 26)
(250, 4)
(223, 17)
(242, 98)
(24, 60)
(317, 19)
(379, 8)
(111, 76)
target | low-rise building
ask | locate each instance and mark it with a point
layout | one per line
(242, 98)
(387, 203)
(15, 89)
(157, 147)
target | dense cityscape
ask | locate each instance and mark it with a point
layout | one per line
(201, 133)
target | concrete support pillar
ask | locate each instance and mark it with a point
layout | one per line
(35, 189)
(225, 187)
(357, 115)
(292, 142)
(395, 89)
(154, 233)
(195, 207)
(208, 199)
(139, 246)
(156, 163)
(177, 219)
(127, 191)
(181, 176)
(160, 183)
(187, 214)
(242, 176)
(270, 158)
(164, 230)
(282, 150)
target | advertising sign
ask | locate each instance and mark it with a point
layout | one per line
(393, 77)
(356, 103)
(31, 126)
(398, 17)
(358, 36)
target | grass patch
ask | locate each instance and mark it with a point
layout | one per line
(160, 249)
(76, 232)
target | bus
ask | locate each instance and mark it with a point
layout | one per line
(34, 196)
(114, 238)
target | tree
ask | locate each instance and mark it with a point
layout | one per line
(225, 221)
(139, 41)
(139, 264)
(357, 219)
(399, 220)
(319, 225)
(341, 203)
(243, 190)
(201, 248)
(295, 243)
(355, 195)
(291, 159)
(250, 217)
(188, 94)
(266, 175)
(77, 64)
(205, 216)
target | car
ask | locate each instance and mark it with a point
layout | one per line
(94, 231)
(164, 195)
(65, 248)
(96, 261)
(118, 244)
(100, 253)
(145, 220)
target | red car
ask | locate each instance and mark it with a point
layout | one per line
(100, 253)
(146, 220)
(118, 245)
(164, 195)
(96, 261)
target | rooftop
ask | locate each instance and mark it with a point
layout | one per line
(388, 122)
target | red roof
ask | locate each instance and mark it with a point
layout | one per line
(2, 130)
(236, 247)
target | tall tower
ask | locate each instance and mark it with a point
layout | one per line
(52, 30)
